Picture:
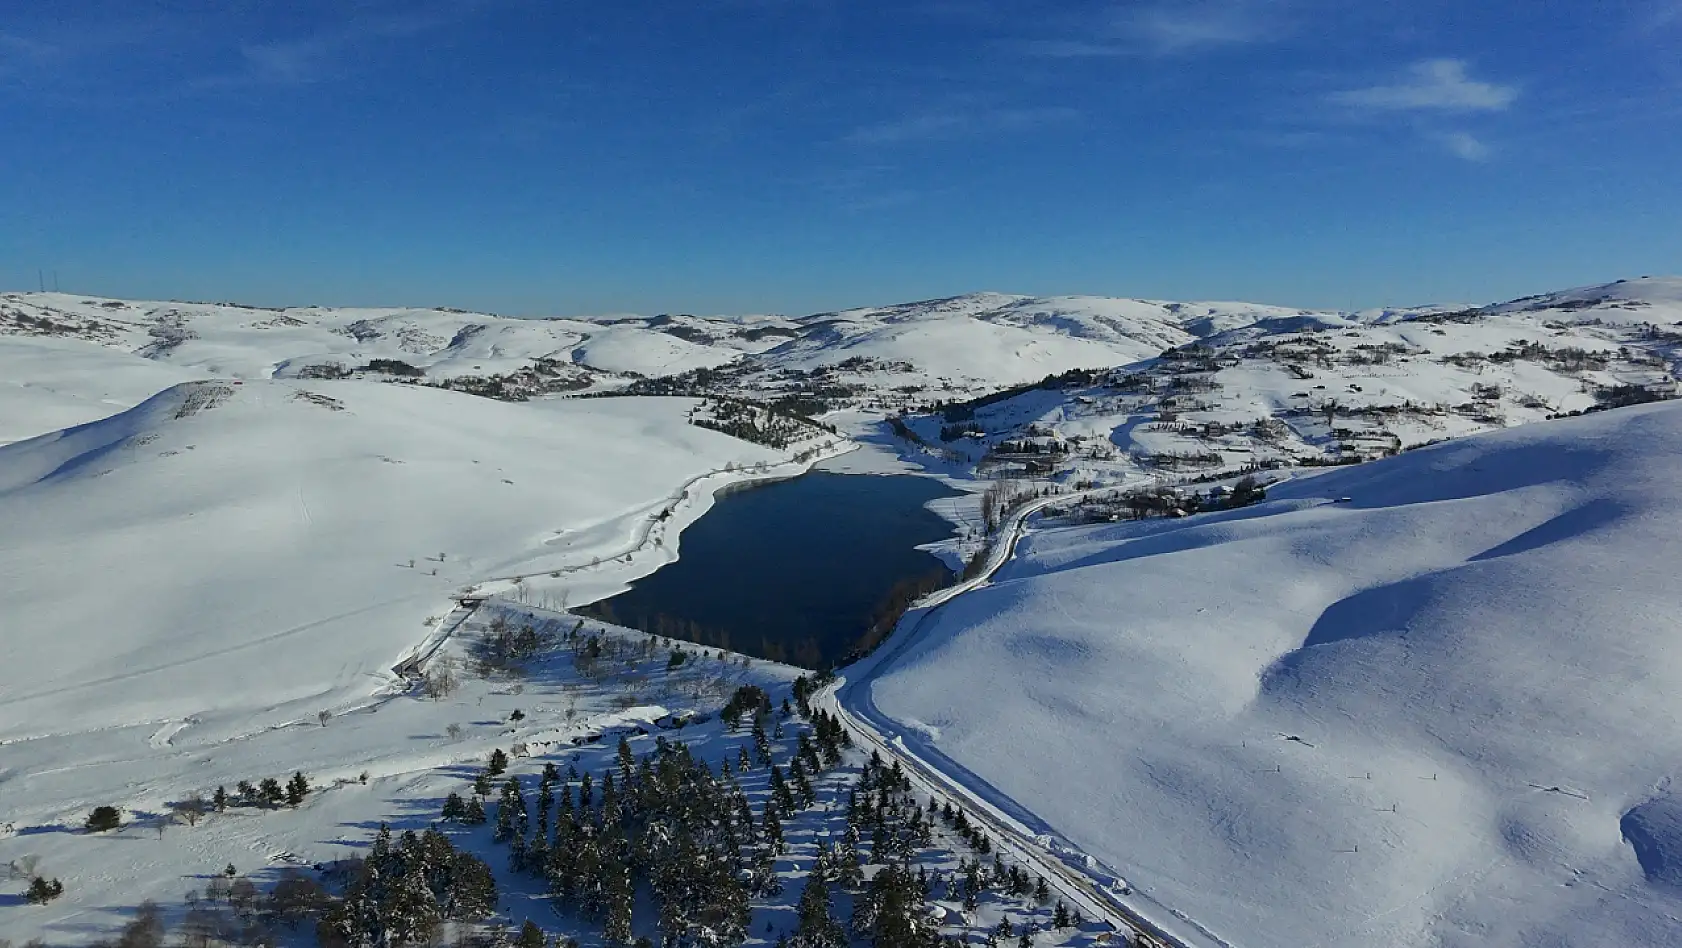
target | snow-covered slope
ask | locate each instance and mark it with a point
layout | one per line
(1444, 712)
(249, 552)
(957, 347)
(954, 347)
(47, 384)
(1317, 388)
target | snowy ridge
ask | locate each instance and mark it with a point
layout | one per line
(952, 348)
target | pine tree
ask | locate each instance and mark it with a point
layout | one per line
(618, 896)
(270, 791)
(504, 821)
(474, 814)
(610, 799)
(816, 927)
(470, 891)
(1042, 892)
(454, 807)
(848, 871)
(1060, 917)
(411, 912)
(220, 799)
(498, 763)
(780, 791)
(772, 826)
(530, 936)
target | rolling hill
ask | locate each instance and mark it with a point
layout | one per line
(1431, 700)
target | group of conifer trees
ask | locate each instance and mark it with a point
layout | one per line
(667, 821)
(403, 891)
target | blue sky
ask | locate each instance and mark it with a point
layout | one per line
(549, 157)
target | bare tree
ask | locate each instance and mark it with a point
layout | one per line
(242, 895)
(454, 732)
(190, 810)
(441, 681)
(26, 866)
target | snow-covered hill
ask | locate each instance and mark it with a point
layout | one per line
(888, 356)
(47, 384)
(1327, 388)
(1323, 385)
(248, 552)
(1444, 712)
(243, 523)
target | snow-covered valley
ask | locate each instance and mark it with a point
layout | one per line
(233, 540)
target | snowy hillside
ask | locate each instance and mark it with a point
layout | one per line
(915, 354)
(1325, 388)
(47, 384)
(1444, 712)
(246, 553)
(888, 356)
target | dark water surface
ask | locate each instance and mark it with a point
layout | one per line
(792, 571)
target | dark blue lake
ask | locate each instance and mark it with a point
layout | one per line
(796, 571)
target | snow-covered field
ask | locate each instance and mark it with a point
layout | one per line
(1441, 712)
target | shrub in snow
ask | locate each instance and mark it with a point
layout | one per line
(103, 818)
(43, 890)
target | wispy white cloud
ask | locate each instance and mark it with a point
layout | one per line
(953, 124)
(1186, 26)
(20, 54)
(151, 52)
(1169, 28)
(1073, 49)
(1464, 145)
(322, 54)
(1435, 85)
